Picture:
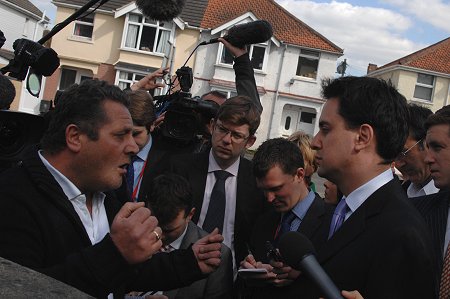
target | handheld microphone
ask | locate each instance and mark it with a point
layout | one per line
(297, 251)
(160, 10)
(246, 34)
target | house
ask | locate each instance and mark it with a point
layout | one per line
(19, 19)
(117, 44)
(423, 77)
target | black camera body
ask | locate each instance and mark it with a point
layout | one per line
(185, 115)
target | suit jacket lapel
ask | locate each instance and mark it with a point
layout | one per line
(54, 193)
(313, 218)
(356, 223)
(197, 179)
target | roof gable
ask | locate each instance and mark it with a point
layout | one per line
(434, 58)
(29, 7)
(286, 27)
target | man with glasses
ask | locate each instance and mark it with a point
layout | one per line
(411, 161)
(223, 185)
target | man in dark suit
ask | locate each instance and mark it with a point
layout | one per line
(172, 204)
(434, 208)
(233, 132)
(57, 219)
(377, 243)
(280, 173)
(411, 161)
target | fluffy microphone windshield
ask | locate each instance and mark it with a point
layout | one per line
(249, 33)
(161, 10)
(293, 247)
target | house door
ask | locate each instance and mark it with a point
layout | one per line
(296, 118)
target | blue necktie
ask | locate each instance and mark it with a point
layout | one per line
(216, 209)
(285, 225)
(130, 176)
(338, 217)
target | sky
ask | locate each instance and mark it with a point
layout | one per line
(377, 31)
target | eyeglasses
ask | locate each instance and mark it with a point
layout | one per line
(236, 137)
(405, 153)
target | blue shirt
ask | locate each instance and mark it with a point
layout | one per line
(139, 163)
(300, 210)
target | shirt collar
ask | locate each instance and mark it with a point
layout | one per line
(302, 207)
(143, 153)
(177, 243)
(356, 198)
(213, 166)
(69, 189)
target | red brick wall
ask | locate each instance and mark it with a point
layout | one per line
(51, 85)
(106, 72)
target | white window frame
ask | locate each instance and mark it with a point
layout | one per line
(424, 85)
(228, 92)
(141, 26)
(266, 45)
(84, 23)
(118, 80)
(80, 73)
(310, 57)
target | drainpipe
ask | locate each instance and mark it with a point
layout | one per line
(37, 25)
(277, 93)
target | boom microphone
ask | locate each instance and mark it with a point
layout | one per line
(246, 34)
(297, 251)
(161, 10)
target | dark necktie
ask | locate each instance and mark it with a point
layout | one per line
(216, 209)
(444, 289)
(130, 176)
(285, 225)
(338, 217)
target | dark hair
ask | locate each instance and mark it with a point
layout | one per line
(417, 117)
(277, 152)
(81, 105)
(171, 193)
(141, 108)
(365, 100)
(441, 117)
(240, 110)
(215, 93)
(7, 92)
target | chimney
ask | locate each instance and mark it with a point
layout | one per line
(371, 67)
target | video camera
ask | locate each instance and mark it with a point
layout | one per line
(185, 115)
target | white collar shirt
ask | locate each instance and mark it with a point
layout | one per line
(416, 191)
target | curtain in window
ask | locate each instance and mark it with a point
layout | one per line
(132, 35)
(163, 43)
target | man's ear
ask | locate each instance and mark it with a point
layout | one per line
(365, 136)
(300, 173)
(191, 214)
(73, 138)
(250, 141)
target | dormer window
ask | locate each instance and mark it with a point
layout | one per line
(147, 35)
(308, 64)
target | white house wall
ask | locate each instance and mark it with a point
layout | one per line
(12, 23)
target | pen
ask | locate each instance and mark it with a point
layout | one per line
(248, 249)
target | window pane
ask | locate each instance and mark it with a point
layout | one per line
(123, 75)
(147, 39)
(309, 52)
(138, 77)
(307, 117)
(135, 18)
(287, 124)
(307, 67)
(83, 30)
(124, 85)
(424, 93)
(132, 35)
(425, 79)
(258, 57)
(149, 21)
(67, 78)
(163, 42)
(226, 57)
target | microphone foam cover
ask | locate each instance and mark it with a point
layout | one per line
(293, 247)
(161, 10)
(254, 32)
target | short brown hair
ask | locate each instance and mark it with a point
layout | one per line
(141, 108)
(240, 110)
